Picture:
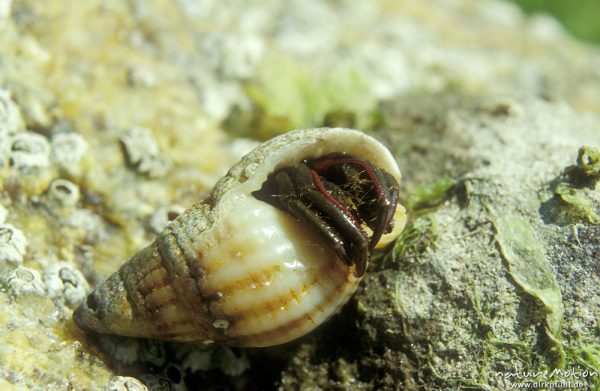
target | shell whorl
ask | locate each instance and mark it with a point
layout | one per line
(233, 269)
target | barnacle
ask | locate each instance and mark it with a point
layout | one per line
(143, 153)
(10, 115)
(255, 267)
(28, 150)
(65, 192)
(125, 383)
(68, 150)
(24, 281)
(65, 284)
(12, 245)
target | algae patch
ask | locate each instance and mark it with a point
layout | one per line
(579, 207)
(575, 198)
(422, 231)
(288, 94)
(529, 267)
(429, 195)
(588, 160)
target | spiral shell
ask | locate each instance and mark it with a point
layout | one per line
(235, 270)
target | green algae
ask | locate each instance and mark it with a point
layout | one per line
(529, 267)
(418, 235)
(421, 232)
(578, 206)
(429, 195)
(588, 160)
(287, 92)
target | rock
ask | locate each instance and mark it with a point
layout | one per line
(496, 141)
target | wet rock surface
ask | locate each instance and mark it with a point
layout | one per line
(116, 116)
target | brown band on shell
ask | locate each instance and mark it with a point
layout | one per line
(285, 300)
(148, 287)
(181, 267)
(281, 331)
(265, 308)
(244, 282)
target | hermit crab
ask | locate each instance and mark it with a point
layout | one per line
(279, 246)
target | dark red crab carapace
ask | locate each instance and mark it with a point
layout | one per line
(349, 201)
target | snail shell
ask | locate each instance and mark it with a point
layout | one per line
(235, 270)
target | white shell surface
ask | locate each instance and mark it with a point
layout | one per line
(275, 278)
